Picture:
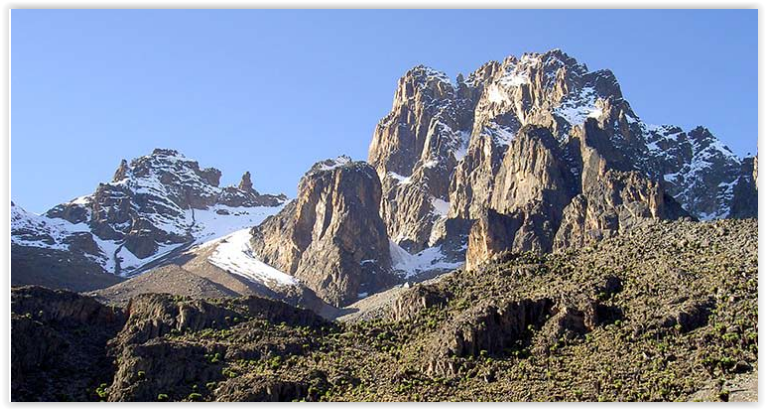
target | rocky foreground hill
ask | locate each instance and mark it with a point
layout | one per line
(665, 311)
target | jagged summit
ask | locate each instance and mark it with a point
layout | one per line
(444, 143)
(155, 205)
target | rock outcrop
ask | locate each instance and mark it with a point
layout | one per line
(149, 362)
(58, 344)
(244, 195)
(331, 237)
(486, 329)
(69, 347)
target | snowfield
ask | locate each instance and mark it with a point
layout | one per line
(221, 220)
(234, 254)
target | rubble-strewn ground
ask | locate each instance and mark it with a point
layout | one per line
(665, 312)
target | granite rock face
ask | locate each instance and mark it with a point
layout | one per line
(613, 197)
(331, 237)
(544, 146)
(415, 149)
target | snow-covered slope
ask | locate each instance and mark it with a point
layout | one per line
(28, 229)
(234, 254)
(41, 231)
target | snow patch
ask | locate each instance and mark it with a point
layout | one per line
(579, 106)
(235, 255)
(399, 178)
(331, 164)
(429, 259)
(441, 207)
(495, 95)
(462, 148)
(221, 220)
(500, 135)
(28, 227)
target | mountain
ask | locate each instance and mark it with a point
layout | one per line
(154, 208)
(518, 233)
(537, 153)
(665, 312)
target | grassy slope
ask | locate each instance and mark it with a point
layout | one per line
(639, 353)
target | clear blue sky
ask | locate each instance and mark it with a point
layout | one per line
(274, 91)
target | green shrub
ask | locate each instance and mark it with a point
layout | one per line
(101, 391)
(275, 362)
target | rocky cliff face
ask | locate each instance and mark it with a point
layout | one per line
(69, 347)
(613, 197)
(156, 205)
(331, 237)
(414, 150)
(464, 151)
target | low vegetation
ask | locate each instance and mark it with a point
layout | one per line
(658, 314)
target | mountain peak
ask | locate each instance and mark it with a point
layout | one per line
(332, 163)
(122, 171)
(428, 73)
(246, 184)
(163, 152)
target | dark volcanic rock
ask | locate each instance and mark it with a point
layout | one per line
(58, 345)
(486, 329)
